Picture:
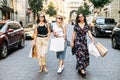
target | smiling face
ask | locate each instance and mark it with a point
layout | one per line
(59, 19)
(81, 17)
(41, 17)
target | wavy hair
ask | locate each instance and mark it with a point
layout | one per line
(38, 18)
(77, 19)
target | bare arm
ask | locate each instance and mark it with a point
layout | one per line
(48, 28)
(90, 36)
(73, 38)
(64, 30)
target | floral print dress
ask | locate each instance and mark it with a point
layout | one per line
(80, 45)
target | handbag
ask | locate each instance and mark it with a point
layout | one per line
(73, 51)
(93, 50)
(102, 50)
(33, 52)
(57, 44)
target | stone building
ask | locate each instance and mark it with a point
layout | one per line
(6, 9)
(13, 10)
(112, 10)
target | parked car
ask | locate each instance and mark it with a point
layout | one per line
(29, 31)
(11, 35)
(116, 36)
(103, 26)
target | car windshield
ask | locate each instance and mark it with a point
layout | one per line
(105, 21)
(100, 21)
(109, 21)
(1, 26)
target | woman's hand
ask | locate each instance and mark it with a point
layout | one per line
(47, 39)
(72, 45)
(93, 41)
(56, 34)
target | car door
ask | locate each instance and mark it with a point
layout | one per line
(10, 34)
(118, 34)
(16, 32)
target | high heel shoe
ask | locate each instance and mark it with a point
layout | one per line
(82, 73)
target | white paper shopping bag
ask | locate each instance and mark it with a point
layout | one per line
(93, 50)
(57, 44)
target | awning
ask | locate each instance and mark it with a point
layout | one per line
(7, 9)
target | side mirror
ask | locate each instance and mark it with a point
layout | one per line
(10, 30)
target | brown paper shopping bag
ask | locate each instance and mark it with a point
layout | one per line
(102, 50)
(33, 52)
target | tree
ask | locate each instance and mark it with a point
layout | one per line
(84, 9)
(99, 3)
(51, 10)
(35, 6)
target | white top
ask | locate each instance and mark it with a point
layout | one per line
(58, 30)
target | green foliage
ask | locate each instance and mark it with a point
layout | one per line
(36, 5)
(51, 10)
(84, 9)
(4, 3)
(99, 3)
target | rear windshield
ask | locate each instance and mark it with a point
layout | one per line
(29, 26)
(105, 21)
(1, 26)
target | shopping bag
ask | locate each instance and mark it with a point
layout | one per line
(73, 50)
(33, 52)
(57, 44)
(93, 50)
(102, 50)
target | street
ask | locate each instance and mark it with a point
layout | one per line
(18, 65)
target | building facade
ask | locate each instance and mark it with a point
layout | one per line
(7, 10)
(112, 10)
(13, 10)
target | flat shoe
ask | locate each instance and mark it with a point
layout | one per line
(45, 71)
(40, 70)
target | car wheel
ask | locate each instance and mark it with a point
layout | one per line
(114, 44)
(4, 50)
(21, 43)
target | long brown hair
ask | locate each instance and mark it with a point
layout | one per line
(38, 18)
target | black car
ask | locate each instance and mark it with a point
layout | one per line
(103, 26)
(116, 36)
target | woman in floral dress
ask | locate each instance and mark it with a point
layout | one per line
(79, 43)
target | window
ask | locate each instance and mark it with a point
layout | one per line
(16, 26)
(100, 21)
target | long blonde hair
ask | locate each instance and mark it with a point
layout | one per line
(60, 25)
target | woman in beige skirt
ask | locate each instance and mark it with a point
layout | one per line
(42, 34)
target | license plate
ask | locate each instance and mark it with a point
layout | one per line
(108, 31)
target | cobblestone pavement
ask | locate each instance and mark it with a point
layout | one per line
(18, 66)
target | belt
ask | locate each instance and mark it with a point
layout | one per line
(42, 36)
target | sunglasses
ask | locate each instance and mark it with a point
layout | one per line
(59, 18)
